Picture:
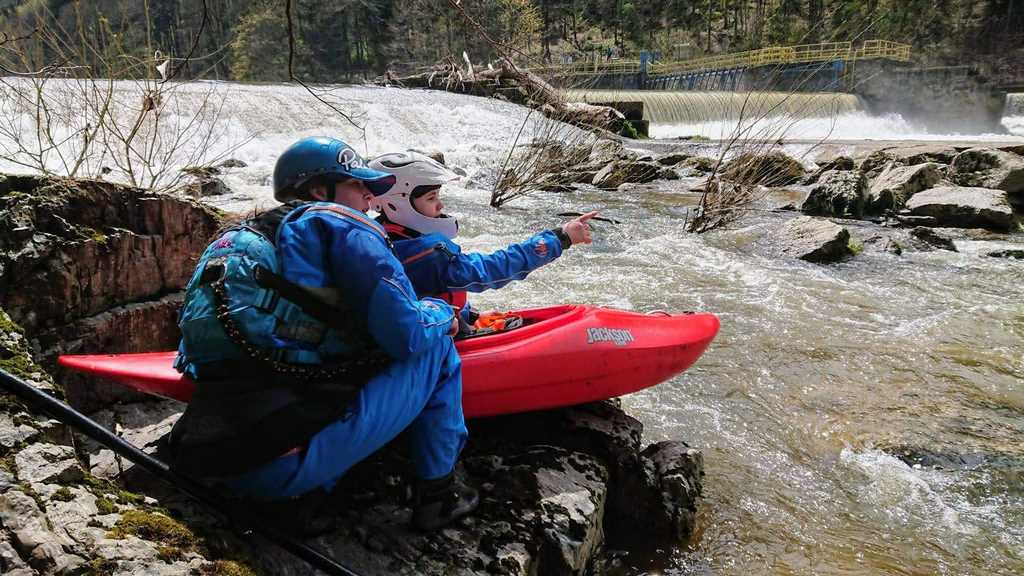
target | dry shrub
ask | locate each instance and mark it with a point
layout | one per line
(99, 110)
(551, 146)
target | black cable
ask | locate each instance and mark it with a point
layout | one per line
(90, 428)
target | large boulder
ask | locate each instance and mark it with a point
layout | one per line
(815, 240)
(556, 489)
(773, 169)
(605, 151)
(933, 239)
(700, 164)
(964, 207)
(891, 189)
(87, 265)
(201, 187)
(838, 193)
(672, 158)
(622, 171)
(988, 168)
(73, 249)
(879, 160)
(555, 153)
(837, 163)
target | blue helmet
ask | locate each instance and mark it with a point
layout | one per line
(328, 157)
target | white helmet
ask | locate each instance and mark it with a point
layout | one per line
(415, 174)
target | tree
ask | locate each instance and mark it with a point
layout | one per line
(260, 48)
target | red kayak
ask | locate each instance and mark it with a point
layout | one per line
(561, 356)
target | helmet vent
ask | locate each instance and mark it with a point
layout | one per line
(392, 164)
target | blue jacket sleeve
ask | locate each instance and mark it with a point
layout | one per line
(374, 284)
(400, 323)
(479, 272)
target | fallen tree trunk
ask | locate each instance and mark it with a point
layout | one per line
(514, 85)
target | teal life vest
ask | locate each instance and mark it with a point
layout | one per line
(275, 362)
(239, 311)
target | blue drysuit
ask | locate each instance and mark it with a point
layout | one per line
(437, 267)
(333, 246)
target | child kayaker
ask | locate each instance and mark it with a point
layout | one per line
(412, 214)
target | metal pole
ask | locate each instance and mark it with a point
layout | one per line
(90, 428)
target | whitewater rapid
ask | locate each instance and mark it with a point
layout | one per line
(820, 376)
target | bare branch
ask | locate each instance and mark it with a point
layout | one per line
(195, 42)
(296, 79)
(499, 47)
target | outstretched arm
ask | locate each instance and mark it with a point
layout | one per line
(479, 272)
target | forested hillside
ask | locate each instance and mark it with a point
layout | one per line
(248, 39)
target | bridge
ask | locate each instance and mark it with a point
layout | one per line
(832, 61)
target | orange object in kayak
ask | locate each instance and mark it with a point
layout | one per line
(561, 356)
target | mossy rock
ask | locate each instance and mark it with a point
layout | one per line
(105, 506)
(700, 163)
(63, 494)
(170, 554)
(226, 568)
(16, 358)
(155, 528)
(773, 169)
(101, 567)
(27, 489)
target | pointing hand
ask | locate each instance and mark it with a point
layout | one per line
(578, 230)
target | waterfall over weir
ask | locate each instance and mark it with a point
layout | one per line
(1013, 114)
(692, 107)
(1014, 105)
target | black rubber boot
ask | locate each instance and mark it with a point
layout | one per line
(438, 502)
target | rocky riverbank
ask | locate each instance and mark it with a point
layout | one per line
(918, 196)
(90, 266)
(924, 196)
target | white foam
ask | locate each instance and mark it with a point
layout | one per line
(858, 125)
(905, 494)
(255, 123)
(1015, 124)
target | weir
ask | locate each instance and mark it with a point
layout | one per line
(1014, 105)
(948, 99)
(683, 107)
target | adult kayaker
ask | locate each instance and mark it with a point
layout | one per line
(269, 436)
(412, 213)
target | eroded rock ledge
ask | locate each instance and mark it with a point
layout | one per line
(92, 266)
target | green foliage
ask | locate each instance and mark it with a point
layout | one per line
(8, 325)
(351, 38)
(259, 51)
(628, 130)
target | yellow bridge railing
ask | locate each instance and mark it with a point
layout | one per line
(769, 56)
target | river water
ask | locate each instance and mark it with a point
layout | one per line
(822, 376)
